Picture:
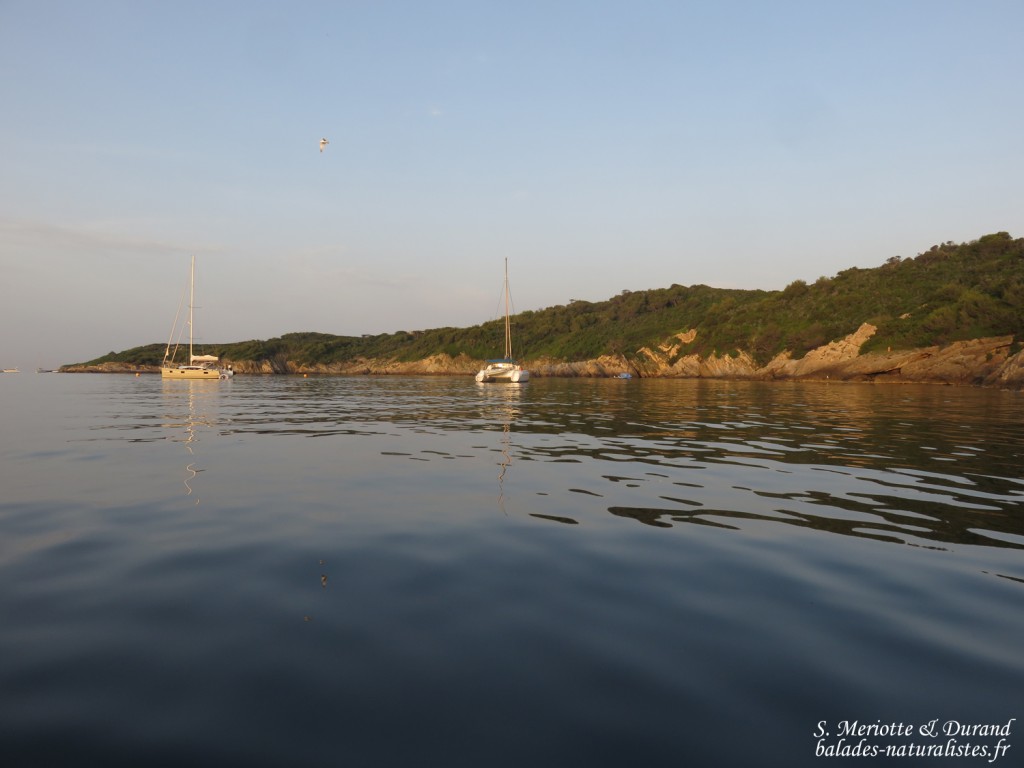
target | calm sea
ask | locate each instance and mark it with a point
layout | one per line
(284, 571)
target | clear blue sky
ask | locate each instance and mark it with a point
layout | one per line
(599, 146)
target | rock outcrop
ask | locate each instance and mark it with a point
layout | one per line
(601, 367)
(828, 357)
(985, 361)
(1009, 374)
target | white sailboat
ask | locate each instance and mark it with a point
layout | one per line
(199, 366)
(504, 369)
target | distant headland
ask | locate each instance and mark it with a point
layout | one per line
(953, 314)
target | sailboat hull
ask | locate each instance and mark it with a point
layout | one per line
(195, 372)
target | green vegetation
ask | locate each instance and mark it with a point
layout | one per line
(948, 293)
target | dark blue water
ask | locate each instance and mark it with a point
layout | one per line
(425, 571)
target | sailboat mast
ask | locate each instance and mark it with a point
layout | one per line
(508, 326)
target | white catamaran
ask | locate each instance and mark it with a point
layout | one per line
(200, 366)
(504, 369)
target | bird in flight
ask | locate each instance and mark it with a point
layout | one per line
(323, 143)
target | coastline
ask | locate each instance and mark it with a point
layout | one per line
(986, 362)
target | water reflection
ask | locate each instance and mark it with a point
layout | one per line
(187, 407)
(895, 505)
(503, 402)
(922, 465)
(915, 465)
(506, 460)
(882, 526)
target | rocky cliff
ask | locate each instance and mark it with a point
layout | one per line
(979, 361)
(987, 362)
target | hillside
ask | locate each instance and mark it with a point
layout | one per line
(949, 293)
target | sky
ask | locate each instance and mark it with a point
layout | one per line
(597, 146)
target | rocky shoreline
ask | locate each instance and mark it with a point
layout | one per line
(978, 362)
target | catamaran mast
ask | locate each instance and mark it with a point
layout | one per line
(191, 302)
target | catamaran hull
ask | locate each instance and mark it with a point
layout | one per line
(504, 376)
